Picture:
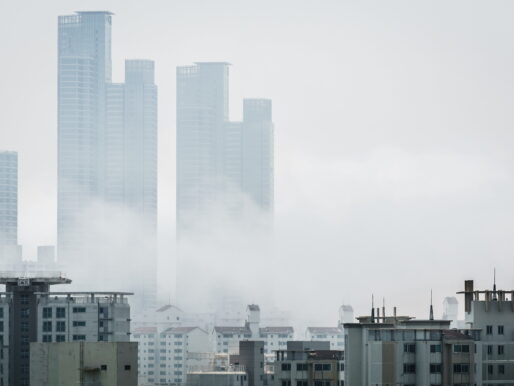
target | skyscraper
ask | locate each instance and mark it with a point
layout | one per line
(220, 164)
(107, 149)
(8, 204)
(84, 71)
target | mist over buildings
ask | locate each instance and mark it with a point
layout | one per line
(393, 136)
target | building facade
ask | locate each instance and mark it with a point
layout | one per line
(308, 364)
(83, 363)
(166, 357)
(333, 335)
(220, 164)
(107, 149)
(9, 206)
(401, 350)
(492, 313)
(29, 312)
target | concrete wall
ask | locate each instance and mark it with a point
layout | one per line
(83, 363)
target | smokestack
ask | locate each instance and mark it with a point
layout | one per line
(384, 309)
(468, 295)
(378, 314)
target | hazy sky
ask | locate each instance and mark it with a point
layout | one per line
(394, 130)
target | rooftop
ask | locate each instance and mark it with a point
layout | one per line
(276, 330)
(25, 278)
(324, 330)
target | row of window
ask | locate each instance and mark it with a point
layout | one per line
(62, 338)
(459, 368)
(305, 367)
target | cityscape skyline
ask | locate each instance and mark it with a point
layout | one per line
(360, 156)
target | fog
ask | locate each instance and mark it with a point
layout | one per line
(393, 142)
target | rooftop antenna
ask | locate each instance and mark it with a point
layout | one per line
(372, 309)
(384, 308)
(494, 285)
(431, 307)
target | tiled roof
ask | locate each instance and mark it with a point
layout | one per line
(276, 330)
(324, 330)
(145, 330)
(232, 330)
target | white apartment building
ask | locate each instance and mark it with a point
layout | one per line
(164, 357)
(334, 335)
(226, 338)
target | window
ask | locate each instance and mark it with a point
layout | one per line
(409, 368)
(501, 350)
(60, 326)
(47, 338)
(301, 383)
(460, 348)
(103, 367)
(301, 367)
(461, 368)
(79, 337)
(489, 330)
(500, 330)
(501, 369)
(79, 309)
(435, 348)
(60, 338)
(60, 312)
(286, 366)
(326, 367)
(47, 312)
(318, 367)
(409, 347)
(435, 368)
(286, 382)
(47, 326)
(490, 369)
(79, 323)
(489, 350)
(1, 312)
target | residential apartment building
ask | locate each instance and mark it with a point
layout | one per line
(333, 335)
(165, 357)
(492, 313)
(406, 351)
(226, 339)
(29, 312)
(83, 363)
(308, 363)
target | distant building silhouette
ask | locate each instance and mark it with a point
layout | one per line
(107, 142)
(9, 251)
(221, 165)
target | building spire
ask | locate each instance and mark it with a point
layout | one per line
(431, 307)
(494, 285)
(372, 309)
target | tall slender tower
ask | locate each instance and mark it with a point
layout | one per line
(107, 155)
(84, 71)
(202, 110)
(8, 206)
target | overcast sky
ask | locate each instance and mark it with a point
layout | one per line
(394, 130)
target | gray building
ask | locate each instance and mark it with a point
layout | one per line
(309, 363)
(492, 313)
(220, 164)
(8, 206)
(107, 147)
(83, 363)
(251, 357)
(406, 351)
(230, 377)
(29, 312)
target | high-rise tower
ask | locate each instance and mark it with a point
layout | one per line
(223, 167)
(8, 205)
(84, 71)
(107, 157)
